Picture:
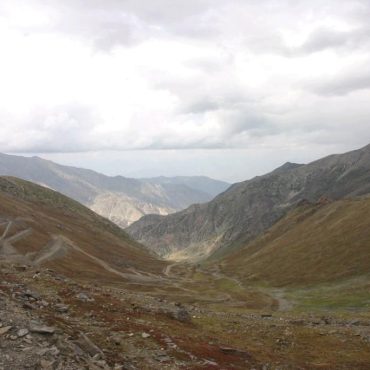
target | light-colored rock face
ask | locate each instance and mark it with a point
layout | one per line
(122, 200)
(249, 208)
(124, 210)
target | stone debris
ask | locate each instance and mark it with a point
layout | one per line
(233, 351)
(84, 297)
(266, 315)
(85, 343)
(5, 330)
(42, 329)
(22, 333)
(130, 330)
(62, 308)
(182, 315)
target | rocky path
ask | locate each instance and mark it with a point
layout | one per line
(279, 295)
(283, 304)
(58, 247)
(55, 248)
(167, 269)
(138, 277)
(6, 242)
(5, 233)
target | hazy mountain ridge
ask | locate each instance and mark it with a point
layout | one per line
(249, 208)
(121, 199)
(201, 183)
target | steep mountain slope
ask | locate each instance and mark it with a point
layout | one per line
(122, 200)
(41, 226)
(313, 243)
(249, 208)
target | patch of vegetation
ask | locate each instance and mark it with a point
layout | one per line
(349, 295)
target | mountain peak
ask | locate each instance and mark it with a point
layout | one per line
(287, 166)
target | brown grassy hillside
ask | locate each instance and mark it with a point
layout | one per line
(314, 243)
(46, 226)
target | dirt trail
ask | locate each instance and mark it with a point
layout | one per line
(6, 247)
(61, 244)
(5, 233)
(277, 294)
(167, 269)
(283, 303)
(58, 247)
(54, 249)
(21, 235)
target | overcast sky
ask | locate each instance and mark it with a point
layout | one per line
(225, 88)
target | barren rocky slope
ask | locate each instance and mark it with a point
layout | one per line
(120, 199)
(50, 321)
(249, 208)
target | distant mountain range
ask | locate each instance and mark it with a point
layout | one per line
(247, 209)
(201, 183)
(120, 199)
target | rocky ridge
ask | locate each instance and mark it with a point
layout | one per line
(249, 208)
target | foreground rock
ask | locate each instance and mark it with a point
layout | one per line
(123, 328)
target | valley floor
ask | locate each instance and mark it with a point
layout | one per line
(198, 320)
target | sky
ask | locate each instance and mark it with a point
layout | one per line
(224, 88)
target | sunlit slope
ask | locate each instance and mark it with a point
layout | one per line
(314, 243)
(40, 226)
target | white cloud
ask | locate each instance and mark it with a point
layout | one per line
(175, 74)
